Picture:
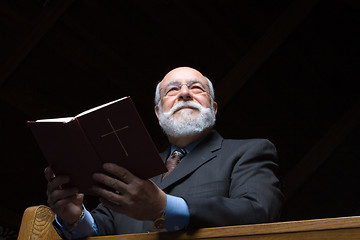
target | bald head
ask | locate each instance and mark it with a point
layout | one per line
(179, 74)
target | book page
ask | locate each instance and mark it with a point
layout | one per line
(68, 119)
(98, 107)
(64, 120)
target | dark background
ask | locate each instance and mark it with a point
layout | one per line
(286, 70)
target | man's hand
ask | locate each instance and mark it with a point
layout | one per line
(67, 202)
(128, 194)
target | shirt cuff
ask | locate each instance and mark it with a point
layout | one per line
(177, 213)
(86, 227)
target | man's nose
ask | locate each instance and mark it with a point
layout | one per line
(185, 92)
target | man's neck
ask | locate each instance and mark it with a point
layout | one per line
(184, 141)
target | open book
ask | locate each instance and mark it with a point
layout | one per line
(113, 132)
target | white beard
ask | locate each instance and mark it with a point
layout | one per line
(187, 126)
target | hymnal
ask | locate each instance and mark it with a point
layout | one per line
(113, 132)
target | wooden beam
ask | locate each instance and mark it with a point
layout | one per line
(276, 34)
(37, 220)
(322, 150)
(49, 18)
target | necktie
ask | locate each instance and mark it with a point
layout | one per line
(173, 161)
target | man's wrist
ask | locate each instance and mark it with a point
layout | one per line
(159, 222)
(74, 225)
(85, 228)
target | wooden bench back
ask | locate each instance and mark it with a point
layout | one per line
(37, 224)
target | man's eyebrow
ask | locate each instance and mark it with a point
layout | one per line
(179, 81)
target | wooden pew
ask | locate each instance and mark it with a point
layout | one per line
(36, 224)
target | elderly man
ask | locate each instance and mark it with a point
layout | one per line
(213, 181)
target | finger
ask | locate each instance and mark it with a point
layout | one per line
(78, 198)
(110, 182)
(106, 193)
(122, 173)
(49, 174)
(113, 197)
(114, 206)
(56, 183)
(58, 195)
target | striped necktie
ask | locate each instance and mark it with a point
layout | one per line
(173, 161)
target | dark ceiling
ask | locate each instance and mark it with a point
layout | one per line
(283, 70)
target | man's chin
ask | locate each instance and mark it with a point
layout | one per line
(186, 114)
(184, 119)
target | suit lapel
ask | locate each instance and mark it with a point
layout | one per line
(164, 155)
(204, 152)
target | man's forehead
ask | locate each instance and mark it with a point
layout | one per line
(179, 81)
(183, 78)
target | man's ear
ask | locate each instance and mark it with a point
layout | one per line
(157, 113)
(215, 106)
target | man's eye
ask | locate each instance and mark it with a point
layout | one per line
(197, 88)
(172, 90)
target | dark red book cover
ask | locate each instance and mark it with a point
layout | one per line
(111, 133)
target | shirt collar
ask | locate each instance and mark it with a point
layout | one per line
(187, 148)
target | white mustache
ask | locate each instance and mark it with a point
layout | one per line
(185, 104)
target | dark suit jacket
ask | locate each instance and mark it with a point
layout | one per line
(223, 181)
